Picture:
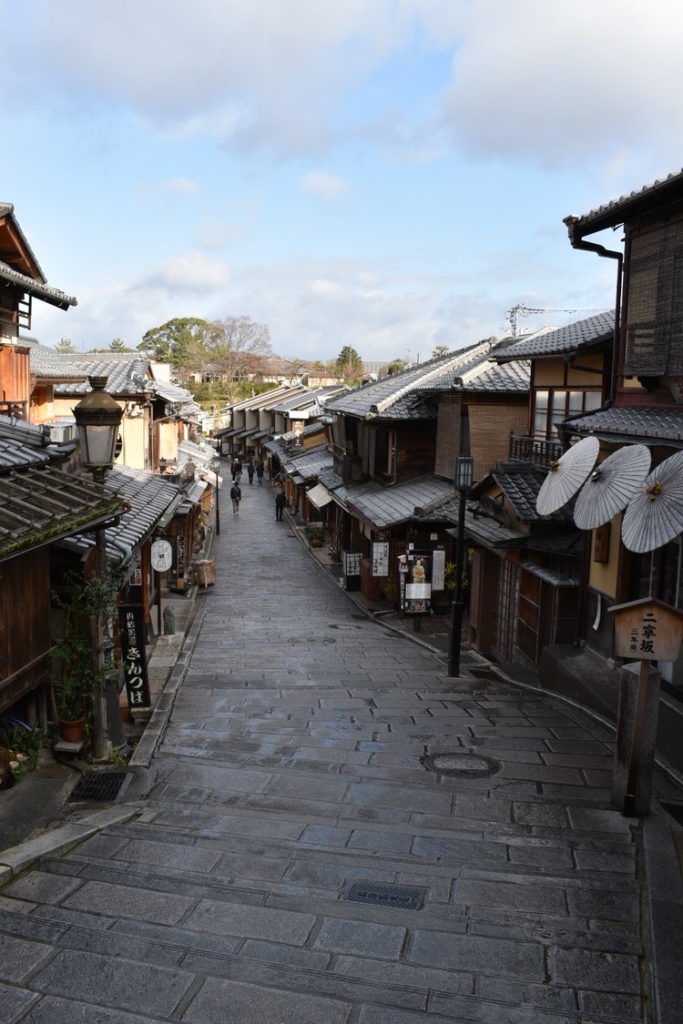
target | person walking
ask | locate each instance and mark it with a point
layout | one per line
(233, 469)
(259, 473)
(250, 471)
(238, 472)
(280, 502)
(236, 497)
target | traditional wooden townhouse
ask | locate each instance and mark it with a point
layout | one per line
(296, 412)
(394, 444)
(252, 422)
(40, 506)
(639, 364)
(156, 415)
(645, 407)
(526, 591)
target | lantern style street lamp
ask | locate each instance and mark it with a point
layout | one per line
(462, 481)
(98, 418)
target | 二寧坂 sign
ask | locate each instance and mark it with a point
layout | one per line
(647, 630)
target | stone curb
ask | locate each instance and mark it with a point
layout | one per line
(17, 858)
(155, 729)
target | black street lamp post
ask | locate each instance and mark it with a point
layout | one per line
(462, 482)
(98, 418)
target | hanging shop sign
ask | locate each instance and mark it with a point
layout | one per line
(380, 558)
(131, 621)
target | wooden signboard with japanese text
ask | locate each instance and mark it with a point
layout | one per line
(647, 630)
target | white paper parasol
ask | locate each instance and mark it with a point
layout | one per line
(611, 486)
(655, 515)
(566, 476)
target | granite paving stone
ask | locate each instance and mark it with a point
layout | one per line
(360, 937)
(231, 1002)
(119, 983)
(19, 957)
(250, 922)
(284, 764)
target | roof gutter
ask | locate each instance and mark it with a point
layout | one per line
(579, 242)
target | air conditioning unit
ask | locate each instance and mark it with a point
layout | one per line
(61, 432)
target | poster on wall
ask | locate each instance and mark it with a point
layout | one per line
(417, 587)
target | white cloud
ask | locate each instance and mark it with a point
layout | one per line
(181, 186)
(190, 272)
(568, 82)
(321, 183)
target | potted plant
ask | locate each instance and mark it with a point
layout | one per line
(85, 600)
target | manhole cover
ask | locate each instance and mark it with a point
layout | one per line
(403, 897)
(98, 786)
(461, 763)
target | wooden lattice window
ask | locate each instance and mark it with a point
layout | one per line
(654, 330)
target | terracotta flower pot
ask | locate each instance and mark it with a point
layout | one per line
(71, 732)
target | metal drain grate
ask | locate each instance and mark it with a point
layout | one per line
(461, 763)
(676, 811)
(98, 786)
(402, 897)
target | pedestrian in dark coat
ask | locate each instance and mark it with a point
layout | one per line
(280, 502)
(259, 473)
(250, 472)
(236, 497)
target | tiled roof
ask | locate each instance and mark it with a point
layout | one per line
(53, 296)
(125, 377)
(308, 464)
(14, 454)
(175, 394)
(149, 496)
(574, 337)
(618, 210)
(521, 483)
(388, 506)
(647, 424)
(406, 395)
(22, 444)
(48, 364)
(40, 506)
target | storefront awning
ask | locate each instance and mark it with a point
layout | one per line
(319, 496)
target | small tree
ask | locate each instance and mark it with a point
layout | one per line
(119, 345)
(65, 346)
(349, 364)
(439, 350)
(396, 365)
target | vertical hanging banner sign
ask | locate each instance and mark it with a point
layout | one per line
(380, 558)
(133, 655)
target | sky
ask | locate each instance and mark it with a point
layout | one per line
(386, 174)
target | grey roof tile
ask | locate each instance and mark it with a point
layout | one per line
(125, 377)
(574, 337)
(308, 464)
(149, 497)
(642, 423)
(388, 506)
(14, 454)
(615, 212)
(521, 483)
(41, 505)
(48, 364)
(41, 290)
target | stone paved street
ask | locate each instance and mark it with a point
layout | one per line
(291, 769)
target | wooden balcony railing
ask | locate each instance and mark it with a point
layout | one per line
(534, 449)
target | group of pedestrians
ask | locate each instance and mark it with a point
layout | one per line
(253, 470)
